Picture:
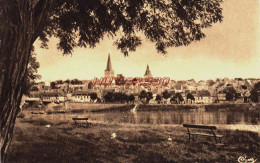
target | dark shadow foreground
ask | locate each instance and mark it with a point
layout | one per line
(34, 141)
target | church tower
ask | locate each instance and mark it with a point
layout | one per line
(109, 72)
(148, 73)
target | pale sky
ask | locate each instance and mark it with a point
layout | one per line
(230, 49)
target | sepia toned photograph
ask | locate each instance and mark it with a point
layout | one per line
(129, 81)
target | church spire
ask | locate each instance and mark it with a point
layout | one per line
(109, 65)
(147, 68)
(148, 72)
(109, 72)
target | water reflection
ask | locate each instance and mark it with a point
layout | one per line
(174, 117)
(166, 117)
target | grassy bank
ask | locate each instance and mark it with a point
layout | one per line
(63, 142)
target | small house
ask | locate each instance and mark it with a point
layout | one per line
(81, 96)
(204, 97)
(53, 96)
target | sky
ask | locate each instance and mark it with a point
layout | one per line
(230, 49)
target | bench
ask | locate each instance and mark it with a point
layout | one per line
(79, 122)
(204, 127)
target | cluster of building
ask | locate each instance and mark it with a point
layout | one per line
(203, 91)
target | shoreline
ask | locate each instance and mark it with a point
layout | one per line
(208, 107)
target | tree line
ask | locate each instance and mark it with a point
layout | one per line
(145, 97)
(118, 97)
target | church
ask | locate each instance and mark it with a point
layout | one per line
(109, 72)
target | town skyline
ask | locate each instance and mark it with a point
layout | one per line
(147, 74)
(229, 50)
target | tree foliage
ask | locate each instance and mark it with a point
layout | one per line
(173, 99)
(158, 99)
(90, 85)
(53, 85)
(179, 97)
(229, 96)
(255, 92)
(190, 96)
(67, 81)
(108, 97)
(98, 100)
(131, 98)
(176, 98)
(93, 96)
(31, 74)
(59, 82)
(75, 82)
(149, 96)
(167, 23)
(165, 94)
(143, 94)
(118, 97)
(231, 93)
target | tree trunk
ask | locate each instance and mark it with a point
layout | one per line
(11, 92)
(25, 19)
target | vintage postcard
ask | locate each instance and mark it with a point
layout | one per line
(129, 81)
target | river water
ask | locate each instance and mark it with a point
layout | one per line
(223, 119)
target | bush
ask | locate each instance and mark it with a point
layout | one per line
(255, 92)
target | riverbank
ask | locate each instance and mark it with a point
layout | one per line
(38, 140)
(207, 107)
(79, 108)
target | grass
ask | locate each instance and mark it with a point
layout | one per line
(63, 142)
